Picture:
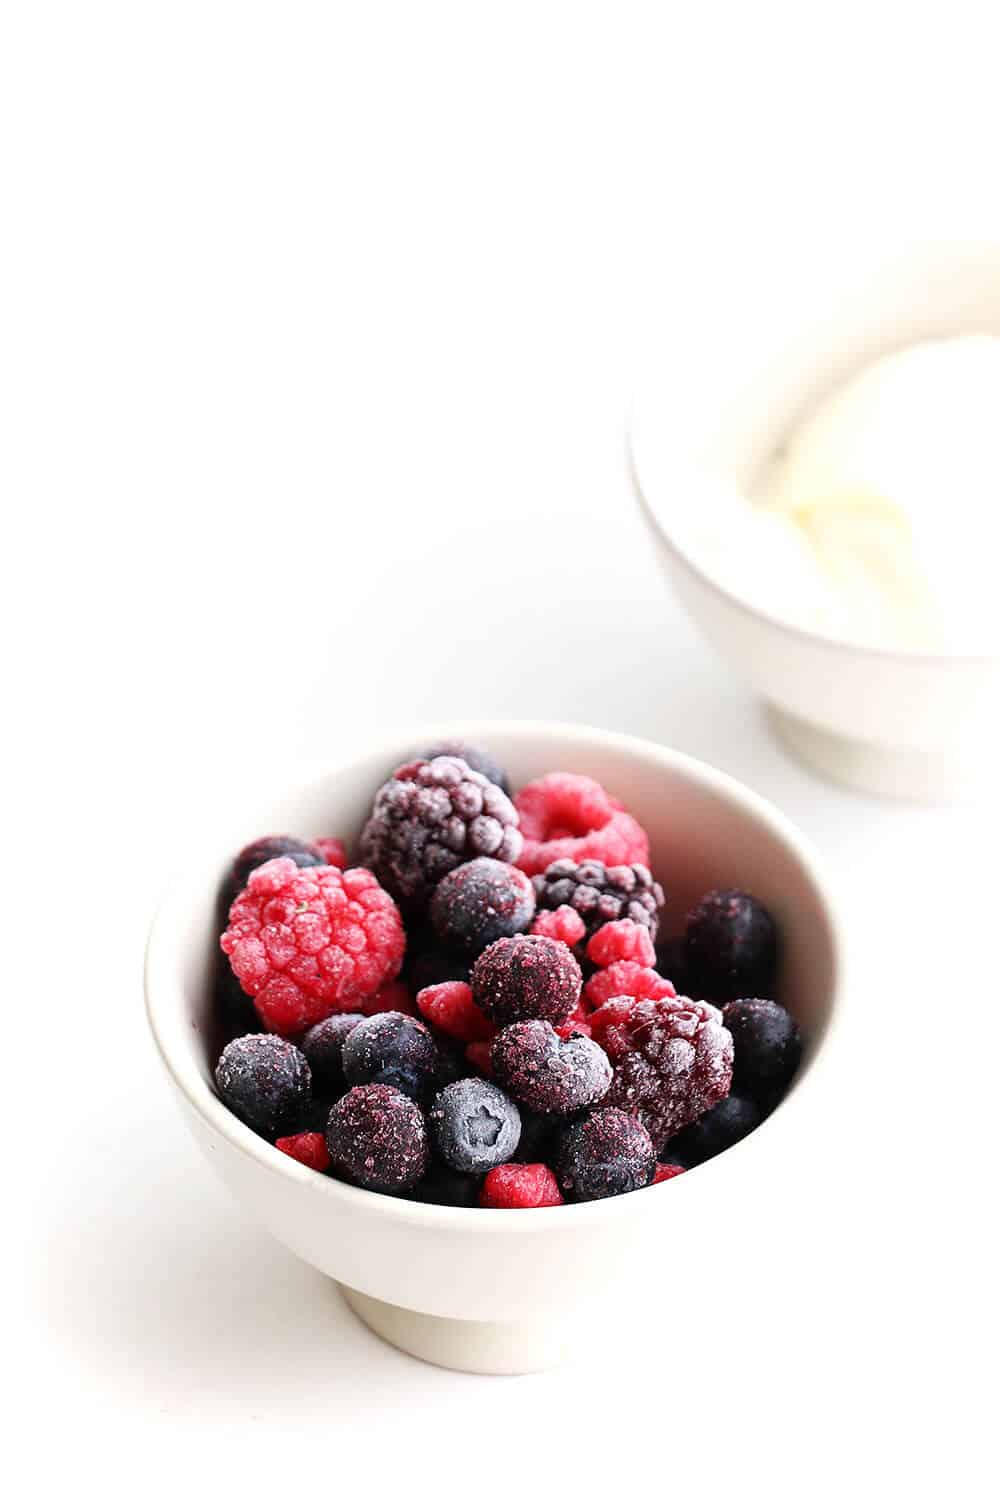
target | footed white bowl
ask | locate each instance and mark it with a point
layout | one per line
(503, 1291)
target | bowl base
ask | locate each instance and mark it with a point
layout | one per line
(459, 1343)
(881, 770)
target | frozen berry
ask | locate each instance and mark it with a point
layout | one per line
(451, 1008)
(545, 1073)
(563, 924)
(731, 944)
(723, 1125)
(333, 852)
(565, 816)
(520, 1185)
(672, 1059)
(431, 816)
(377, 1139)
(394, 1049)
(265, 1081)
(308, 1147)
(307, 942)
(599, 894)
(577, 1023)
(767, 1046)
(616, 942)
(607, 1153)
(392, 996)
(323, 1045)
(667, 1169)
(479, 902)
(450, 1189)
(478, 759)
(474, 1126)
(526, 979)
(274, 846)
(626, 978)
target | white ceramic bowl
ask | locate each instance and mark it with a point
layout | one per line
(897, 723)
(497, 1291)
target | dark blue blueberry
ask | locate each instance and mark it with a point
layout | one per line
(479, 902)
(718, 1128)
(731, 946)
(767, 1046)
(607, 1153)
(394, 1049)
(264, 1080)
(377, 1139)
(474, 1126)
(323, 1045)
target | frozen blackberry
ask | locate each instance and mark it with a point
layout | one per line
(431, 816)
(767, 1046)
(545, 1073)
(526, 979)
(475, 757)
(599, 894)
(474, 1126)
(603, 1155)
(731, 945)
(265, 1081)
(451, 1189)
(323, 1045)
(394, 1049)
(377, 1139)
(722, 1126)
(479, 902)
(275, 846)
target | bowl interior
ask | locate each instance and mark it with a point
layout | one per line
(705, 831)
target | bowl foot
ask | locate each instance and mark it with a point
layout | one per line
(460, 1344)
(882, 770)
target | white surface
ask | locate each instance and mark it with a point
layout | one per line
(318, 330)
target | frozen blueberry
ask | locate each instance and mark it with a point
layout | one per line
(452, 1189)
(479, 902)
(607, 1153)
(526, 979)
(731, 946)
(394, 1049)
(475, 757)
(474, 1126)
(767, 1046)
(265, 1080)
(545, 1073)
(323, 1045)
(723, 1125)
(377, 1139)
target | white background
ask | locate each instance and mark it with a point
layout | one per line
(319, 325)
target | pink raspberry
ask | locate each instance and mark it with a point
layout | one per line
(625, 977)
(333, 852)
(305, 943)
(451, 1008)
(617, 941)
(665, 1170)
(309, 1148)
(563, 924)
(565, 816)
(520, 1185)
(672, 1057)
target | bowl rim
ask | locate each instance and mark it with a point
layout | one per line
(639, 424)
(169, 1034)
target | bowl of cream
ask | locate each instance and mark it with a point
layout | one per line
(822, 484)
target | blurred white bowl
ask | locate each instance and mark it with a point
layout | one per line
(897, 723)
(501, 1291)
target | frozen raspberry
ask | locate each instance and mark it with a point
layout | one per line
(673, 1059)
(731, 945)
(308, 1147)
(665, 1170)
(333, 852)
(564, 924)
(577, 1023)
(479, 902)
(394, 1049)
(474, 756)
(621, 941)
(607, 1153)
(545, 1073)
(768, 1046)
(274, 846)
(626, 978)
(520, 1185)
(265, 1081)
(565, 816)
(477, 1055)
(392, 996)
(431, 816)
(526, 979)
(451, 1008)
(307, 942)
(377, 1139)
(599, 894)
